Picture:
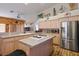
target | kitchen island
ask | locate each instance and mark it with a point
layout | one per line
(9, 41)
(37, 45)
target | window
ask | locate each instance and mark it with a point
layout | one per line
(36, 27)
(2, 27)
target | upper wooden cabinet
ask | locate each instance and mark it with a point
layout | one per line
(49, 24)
(12, 25)
(7, 20)
(54, 24)
(44, 24)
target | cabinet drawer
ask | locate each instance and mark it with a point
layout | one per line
(8, 40)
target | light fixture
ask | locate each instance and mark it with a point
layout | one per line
(11, 11)
(18, 16)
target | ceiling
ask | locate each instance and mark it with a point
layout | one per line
(25, 9)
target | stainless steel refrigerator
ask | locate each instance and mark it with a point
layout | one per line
(70, 35)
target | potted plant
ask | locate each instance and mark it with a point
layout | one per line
(40, 15)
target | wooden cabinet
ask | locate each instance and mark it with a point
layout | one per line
(41, 49)
(19, 38)
(54, 24)
(49, 24)
(7, 28)
(7, 46)
(44, 24)
(10, 44)
(23, 47)
(12, 24)
(56, 39)
(20, 28)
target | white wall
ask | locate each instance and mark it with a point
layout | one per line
(57, 7)
(36, 25)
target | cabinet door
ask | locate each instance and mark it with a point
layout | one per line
(56, 40)
(7, 46)
(17, 38)
(54, 24)
(44, 24)
(48, 23)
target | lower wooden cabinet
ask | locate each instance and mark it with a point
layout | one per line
(56, 39)
(7, 46)
(19, 38)
(10, 44)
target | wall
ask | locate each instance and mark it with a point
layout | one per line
(57, 7)
(36, 25)
(31, 21)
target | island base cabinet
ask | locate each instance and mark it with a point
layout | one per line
(7, 46)
(43, 49)
(17, 40)
(23, 47)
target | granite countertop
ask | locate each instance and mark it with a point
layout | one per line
(8, 35)
(33, 41)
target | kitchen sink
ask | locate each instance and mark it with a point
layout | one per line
(39, 37)
(36, 36)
